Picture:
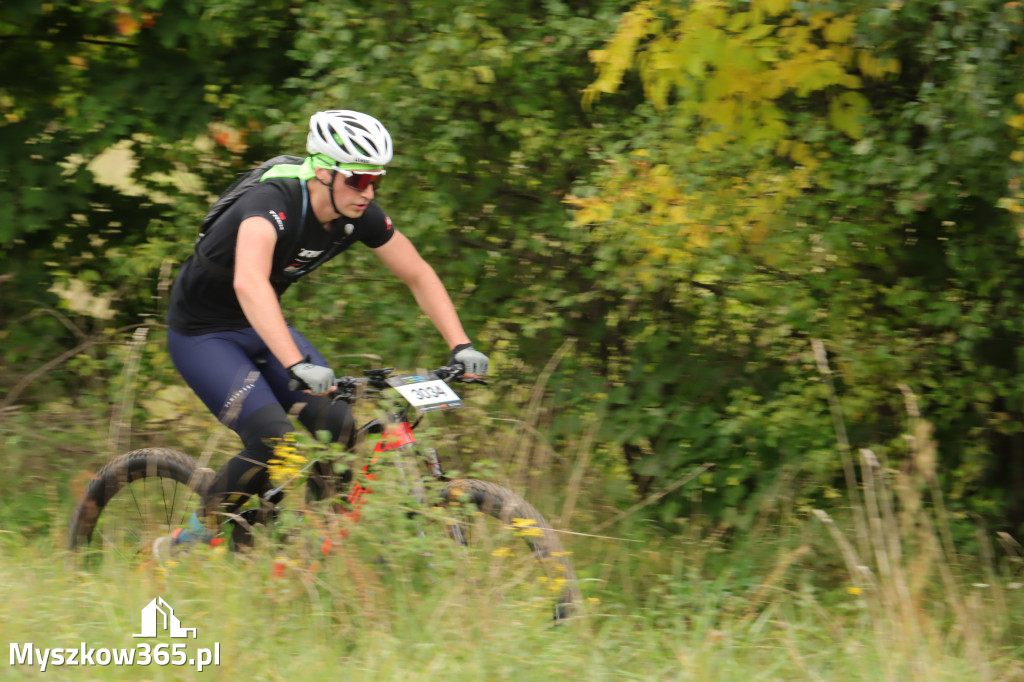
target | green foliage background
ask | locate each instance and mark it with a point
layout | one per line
(619, 222)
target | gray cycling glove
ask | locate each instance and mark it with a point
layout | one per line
(316, 378)
(473, 360)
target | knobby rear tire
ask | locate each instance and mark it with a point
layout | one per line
(122, 472)
(516, 513)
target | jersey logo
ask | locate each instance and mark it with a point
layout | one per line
(303, 259)
(388, 221)
(278, 218)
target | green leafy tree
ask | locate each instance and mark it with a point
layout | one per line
(171, 87)
(840, 171)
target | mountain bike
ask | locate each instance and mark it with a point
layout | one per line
(145, 494)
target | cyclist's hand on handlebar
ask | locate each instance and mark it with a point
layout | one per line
(475, 362)
(316, 379)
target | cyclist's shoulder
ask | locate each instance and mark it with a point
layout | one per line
(272, 200)
(273, 188)
(279, 195)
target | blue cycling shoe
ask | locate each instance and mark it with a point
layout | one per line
(194, 533)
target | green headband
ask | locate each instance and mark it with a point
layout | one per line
(324, 161)
(308, 168)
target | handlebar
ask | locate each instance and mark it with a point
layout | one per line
(351, 389)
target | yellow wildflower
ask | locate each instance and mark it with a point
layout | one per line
(525, 528)
(287, 461)
(555, 585)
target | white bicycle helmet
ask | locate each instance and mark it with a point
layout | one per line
(349, 137)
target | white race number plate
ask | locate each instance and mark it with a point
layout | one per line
(424, 393)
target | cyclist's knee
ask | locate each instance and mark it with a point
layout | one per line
(262, 428)
(321, 414)
(246, 473)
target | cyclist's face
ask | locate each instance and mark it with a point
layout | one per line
(351, 202)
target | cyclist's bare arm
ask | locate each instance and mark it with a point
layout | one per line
(402, 258)
(254, 254)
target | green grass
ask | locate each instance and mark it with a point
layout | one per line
(784, 600)
(392, 606)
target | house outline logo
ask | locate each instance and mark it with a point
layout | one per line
(159, 612)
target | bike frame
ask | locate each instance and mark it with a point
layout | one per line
(394, 436)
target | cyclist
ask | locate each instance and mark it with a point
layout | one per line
(228, 335)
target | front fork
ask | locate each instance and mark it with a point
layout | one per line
(399, 436)
(394, 436)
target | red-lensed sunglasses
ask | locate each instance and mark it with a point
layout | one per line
(360, 181)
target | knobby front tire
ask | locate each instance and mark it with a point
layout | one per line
(519, 522)
(135, 499)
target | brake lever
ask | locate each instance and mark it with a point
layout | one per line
(456, 373)
(345, 388)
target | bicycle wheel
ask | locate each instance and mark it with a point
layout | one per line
(546, 574)
(135, 499)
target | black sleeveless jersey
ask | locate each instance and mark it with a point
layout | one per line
(203, 298)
